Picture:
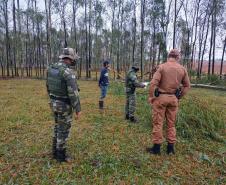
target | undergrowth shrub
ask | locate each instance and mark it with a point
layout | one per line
(211, 79)
(198, 118)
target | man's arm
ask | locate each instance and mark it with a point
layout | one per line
(136, 83)
(186, 84)
(154, 84)
(72, 90)
(47, 85)
(101, 77)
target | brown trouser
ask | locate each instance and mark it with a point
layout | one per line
(164, 106)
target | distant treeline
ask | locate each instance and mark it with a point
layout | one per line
(123, 31)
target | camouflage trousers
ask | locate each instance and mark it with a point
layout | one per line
(63, 119)
(130, 104)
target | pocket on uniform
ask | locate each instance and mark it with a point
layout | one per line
(155, 101)
(156, 116)
(175, 102)
(60, 107)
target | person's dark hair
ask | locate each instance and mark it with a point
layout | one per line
(105, 63)
(136, 69)
(174, 53)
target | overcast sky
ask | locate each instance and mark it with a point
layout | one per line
(40, 4)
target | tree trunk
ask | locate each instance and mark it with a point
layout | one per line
(20, 45)
(86, 47)
(74, 24)
(154, 45)
(174, 24)
(90, 38)
(204, 47)
(222, 59)
(142, 35)
(118, 41)
(49, 27)
(211, 44)
(15, 39)
(201, 35)
(112, 36)
(65, 34)
(134, 31)
(27, 44)
(7, 38)
(48, 30)
(214, 36)
(194, 42)
(121, 43)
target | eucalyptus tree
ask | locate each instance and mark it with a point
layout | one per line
(48, 8)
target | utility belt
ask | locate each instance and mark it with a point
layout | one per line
(65, 100)
(177, 93)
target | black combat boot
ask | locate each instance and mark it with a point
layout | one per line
(101, 104)
(62, 156)
(133, 119)
(154, 150)
(170, 149)
(127, 117)
(54, 152)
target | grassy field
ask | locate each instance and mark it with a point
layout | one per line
(107, 149)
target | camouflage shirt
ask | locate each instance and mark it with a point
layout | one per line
(132, 82)
(68, 84)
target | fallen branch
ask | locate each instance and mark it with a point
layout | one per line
(204, 86)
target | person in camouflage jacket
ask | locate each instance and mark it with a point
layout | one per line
(131, 84)
(64, 100)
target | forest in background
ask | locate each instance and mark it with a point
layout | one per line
(123, 31)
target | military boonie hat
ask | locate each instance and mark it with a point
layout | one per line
(174, 53)
(69, 53)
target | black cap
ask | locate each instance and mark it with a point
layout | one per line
(136, 66)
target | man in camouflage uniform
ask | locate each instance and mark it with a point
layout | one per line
(64, 100)
(131, 84)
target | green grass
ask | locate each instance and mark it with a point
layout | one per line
(107, 149)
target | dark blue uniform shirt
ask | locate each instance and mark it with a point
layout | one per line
(103, 81)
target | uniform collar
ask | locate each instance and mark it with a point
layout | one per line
(61, 63)
(172, 61)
